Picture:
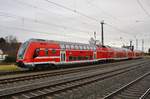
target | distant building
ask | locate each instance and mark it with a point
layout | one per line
(2, 55)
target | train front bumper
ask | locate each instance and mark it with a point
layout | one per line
(24, 65)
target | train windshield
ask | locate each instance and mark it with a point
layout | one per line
(22, 50)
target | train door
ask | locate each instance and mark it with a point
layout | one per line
(94, 55)
(62, 56)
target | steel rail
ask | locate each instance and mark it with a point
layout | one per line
(145, 94)
(113, 94)
(60, 85)
(59, 72)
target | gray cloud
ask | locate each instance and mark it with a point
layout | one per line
(37, 18)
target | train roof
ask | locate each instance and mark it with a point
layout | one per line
(73, 43)
(60, 42)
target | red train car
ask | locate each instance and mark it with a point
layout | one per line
(37, 53)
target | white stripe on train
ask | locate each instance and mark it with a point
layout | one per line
(72, 62)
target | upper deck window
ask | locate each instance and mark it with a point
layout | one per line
(67, 46)
(62, 46)
(94, 48)
(80, 47)
(91, 47)
(76, 47)
(72, 46)
(85, 47)
(88, 47)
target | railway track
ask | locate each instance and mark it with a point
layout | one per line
(41, 74)
(137, 89)
(146, 95)
(25, 71)
(2, 73)
(63, 83)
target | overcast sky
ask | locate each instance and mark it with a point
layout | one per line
(48, 19)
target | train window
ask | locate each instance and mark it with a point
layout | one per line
(22, 50)
(91, 56)
(62, 46)
(87, 57)
(83, 57)
(63, 56)
(74, 58)
(70, 58)
(67, 46)
(36, 53)
(79, 57)
(46, 52)
(94, 48)
(88, 47)
(53, 51)
(76, 47)
(80, 47)
(85, 47)
(94, 55)
(72, 46)
(91, 48)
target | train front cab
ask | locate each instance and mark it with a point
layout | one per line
(34, 54)
(21, 54)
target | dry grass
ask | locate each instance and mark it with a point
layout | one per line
(8, 68)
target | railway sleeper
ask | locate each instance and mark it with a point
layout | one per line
(131, 94)
(51, 90)
(70, 85)
(134, 92)
(140, 90)
(122, 97)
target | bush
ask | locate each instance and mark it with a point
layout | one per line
(10, 59)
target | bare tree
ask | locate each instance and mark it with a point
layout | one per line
(11, 39)
(149, 51)
(2, 40)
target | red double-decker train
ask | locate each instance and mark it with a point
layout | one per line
(37, 53)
